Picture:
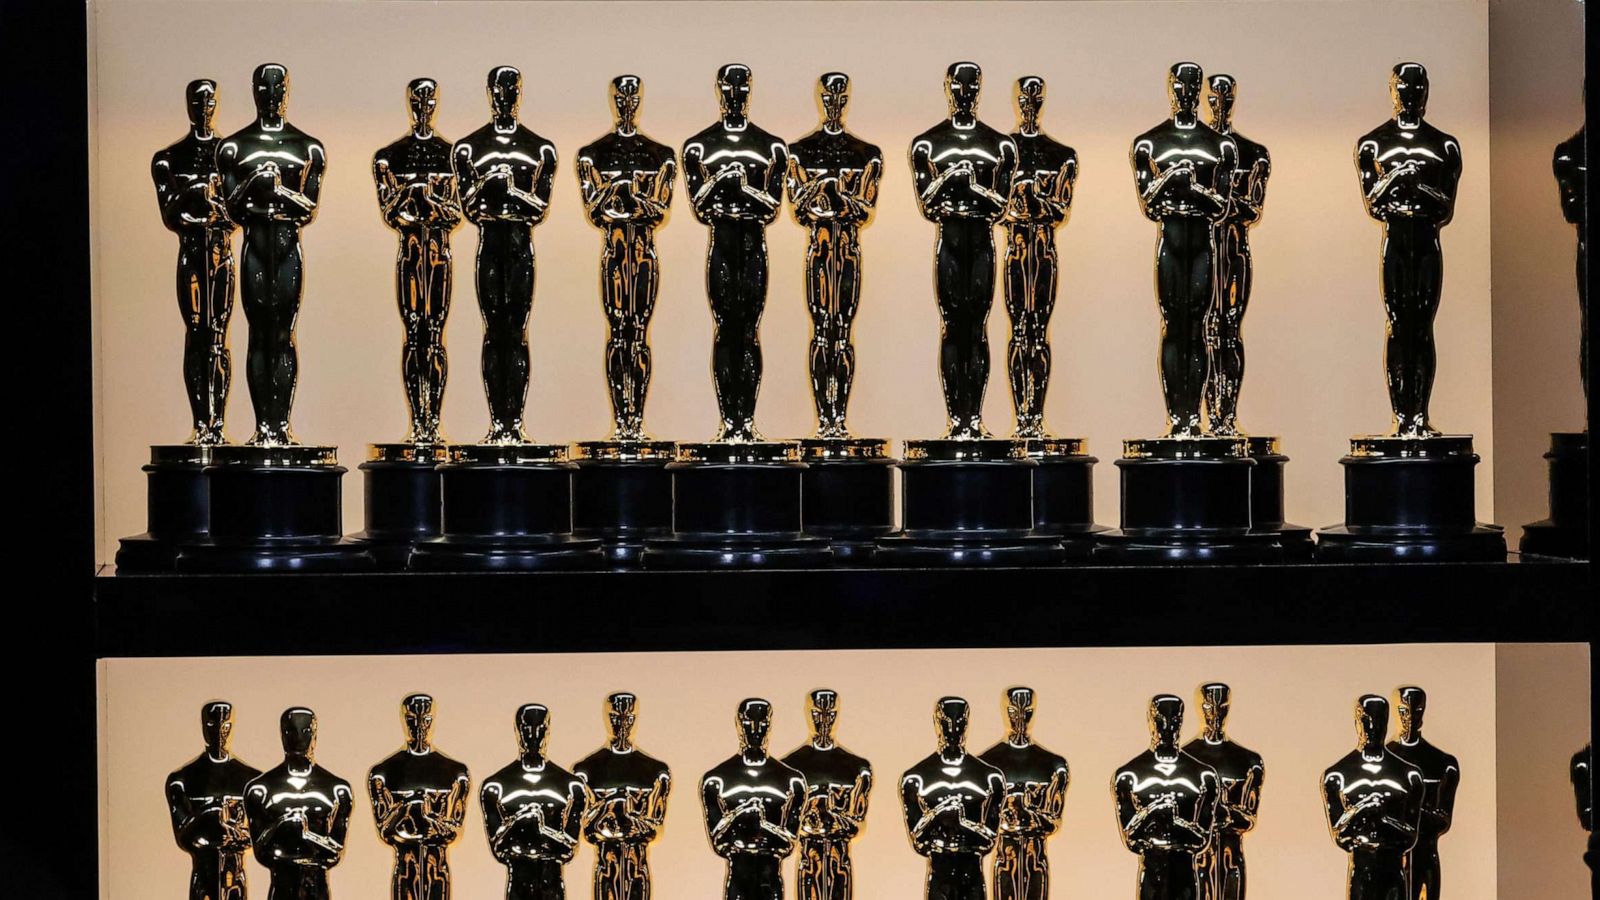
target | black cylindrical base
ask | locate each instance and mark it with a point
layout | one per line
(1063, 502)
(736, 515)
(505, 517)
(848, 501)
(968, 513)
(402, 505)
(1266, 507)
(1566, 532)
(622, 503)
(1186, 510)
(1410, 509)
(267, 518)
(176, 503)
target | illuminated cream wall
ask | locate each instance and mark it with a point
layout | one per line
(1536, 66)
(1292, 705)
(1541, 719)
(1313, 77)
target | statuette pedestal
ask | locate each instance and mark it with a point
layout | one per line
(1186, 500)
(1410, 499)
(968, 502)
(176, 509)
(401, 499)
(1063, 493)
(1566, 532)
(506, 507)
(622, 495)
(847, 494)
(736, 504)
(274, 509)
(1266, 498)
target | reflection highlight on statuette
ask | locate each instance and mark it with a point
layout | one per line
(299, 814)
(1036, 793)
(205, 799)
(504, 173)
(1039, 202)
(753, 805)
(838, 786)
(416, 184)
(628, 804)
(419, 803)
(952, 802)
(1166, 804)
(734, 171)
(963, 171)
(532, 812)
(833, 181)
(1409, 172)
(626, 181)
(1373, 800)
(189, 190)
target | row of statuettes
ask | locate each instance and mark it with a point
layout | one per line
(1183, 807)
(1203, 182)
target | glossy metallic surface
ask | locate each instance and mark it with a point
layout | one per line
(963, 171)
(628, 790)
(1572, 174)
(1241, 773)
(1247, 193)
(833, 186)
(753, 805)
(1409, 171)
(1441, 775)
(271, 180)
(838, 786)
(953, 803)
(1039, 203)
(299, 814)
(626, 180)
(206, 801)
(504, 173)
(416, 184)
(189, 192)
(1166, 807)
(419, 803)
(1184, 171)
(532, 813)
(1036, 792)
(1373, 800)
(734, 172)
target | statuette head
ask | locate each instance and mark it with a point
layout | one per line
(216, 727)
(298, 729)
(733, 89)
(1408, 85)
(755, 720)
(962, 82)
(270, 86)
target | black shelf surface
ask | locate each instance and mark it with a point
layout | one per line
(1088, 606)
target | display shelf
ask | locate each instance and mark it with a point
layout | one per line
(221, 615)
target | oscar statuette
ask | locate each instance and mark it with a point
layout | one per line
(1186, 495)
(506, 501)
(417, 198)
(1039, 204)
(274, 503)
(967, 497)
(622, 492)
(185, 176)
(736, 499)
(1409, 494)
(848, 485)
